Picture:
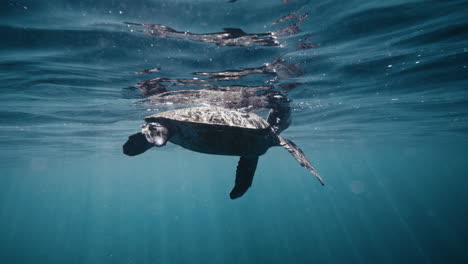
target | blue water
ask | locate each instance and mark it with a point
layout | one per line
(381, 112)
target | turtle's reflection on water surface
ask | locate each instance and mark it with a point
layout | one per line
(208, 92)
(230, 36)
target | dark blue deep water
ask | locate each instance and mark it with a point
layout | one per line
(380, 108)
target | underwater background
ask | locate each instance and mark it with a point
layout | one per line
(381, 111)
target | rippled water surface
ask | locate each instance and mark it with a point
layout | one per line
(379, 104)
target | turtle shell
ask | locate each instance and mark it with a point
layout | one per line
(212, 116)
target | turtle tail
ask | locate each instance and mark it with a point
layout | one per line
(299, 156)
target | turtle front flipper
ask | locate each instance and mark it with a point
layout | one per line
(136, 144)
(299, 156)
(244, 176)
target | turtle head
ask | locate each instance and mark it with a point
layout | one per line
(155, 133)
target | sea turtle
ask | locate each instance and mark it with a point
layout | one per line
(215, 130)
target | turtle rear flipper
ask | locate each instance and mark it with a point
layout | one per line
(244, 176)
(136, 144)
(299, 156)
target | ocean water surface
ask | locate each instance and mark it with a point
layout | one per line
(379, 104)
